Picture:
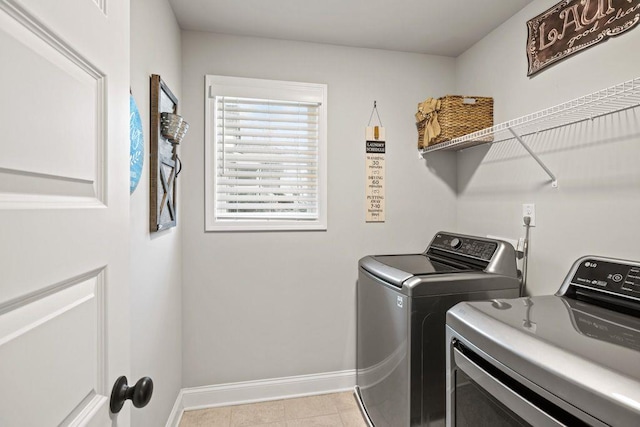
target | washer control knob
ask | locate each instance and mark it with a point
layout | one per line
(456, 243)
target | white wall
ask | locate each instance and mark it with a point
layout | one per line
(275, 304)
(155, 258)
(595, 209)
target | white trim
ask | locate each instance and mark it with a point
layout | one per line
(267, 89)
(176, 412)
(259, 391)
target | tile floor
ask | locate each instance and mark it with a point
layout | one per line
(330, 410)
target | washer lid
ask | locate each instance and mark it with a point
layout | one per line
(396, 269)
(417, 264)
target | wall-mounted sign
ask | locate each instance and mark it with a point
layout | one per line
(374, 165)
(573, 25)
(136, 147)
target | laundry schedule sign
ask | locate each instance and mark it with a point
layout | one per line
(374, 164)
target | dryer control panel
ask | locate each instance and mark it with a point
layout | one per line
(615, 278)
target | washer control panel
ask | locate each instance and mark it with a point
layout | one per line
(467, 246)
(608, 276)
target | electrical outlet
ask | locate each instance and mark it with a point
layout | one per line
(529, 209)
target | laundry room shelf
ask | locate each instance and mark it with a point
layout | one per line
(607, 101)
(613, 99)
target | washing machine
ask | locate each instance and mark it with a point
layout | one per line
(401, 305)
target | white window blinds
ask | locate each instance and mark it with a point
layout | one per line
(266, 154)
(267, 159)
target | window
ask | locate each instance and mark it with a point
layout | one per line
(266, 152)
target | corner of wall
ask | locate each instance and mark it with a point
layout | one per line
(156, 259)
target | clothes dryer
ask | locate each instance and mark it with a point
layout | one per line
(569, 359)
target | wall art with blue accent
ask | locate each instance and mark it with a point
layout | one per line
(136, 153)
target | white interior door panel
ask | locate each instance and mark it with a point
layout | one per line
(64, 313)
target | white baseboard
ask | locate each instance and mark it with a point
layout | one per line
(259, 391)
(176, 412)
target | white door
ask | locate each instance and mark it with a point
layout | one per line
(64, 313)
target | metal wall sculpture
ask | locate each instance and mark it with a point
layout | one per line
(163, 160)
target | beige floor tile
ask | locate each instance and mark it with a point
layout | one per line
(276, 424)
(213, 417)
(312, 406)
(337, 409)
(257, 413)
(322, 421)
(344, 401)
(352, 418)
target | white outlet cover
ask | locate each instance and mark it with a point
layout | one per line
(529, 209)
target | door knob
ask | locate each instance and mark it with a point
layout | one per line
(139, 394)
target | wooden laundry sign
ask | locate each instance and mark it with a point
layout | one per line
(375, 151)
(573, 25)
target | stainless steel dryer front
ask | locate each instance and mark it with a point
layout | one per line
(569, 359)
(402, 301)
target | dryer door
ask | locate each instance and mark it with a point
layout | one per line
(482, 394)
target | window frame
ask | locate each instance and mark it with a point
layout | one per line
(243, 87)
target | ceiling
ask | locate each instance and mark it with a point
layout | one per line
(439, 27)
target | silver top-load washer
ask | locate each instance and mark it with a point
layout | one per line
(402, 301)
(572, 358)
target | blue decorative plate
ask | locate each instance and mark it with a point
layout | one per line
(136, 154)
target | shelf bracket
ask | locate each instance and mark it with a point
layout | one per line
(554, 180)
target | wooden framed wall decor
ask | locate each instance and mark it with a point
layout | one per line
(573, 25)
(163, 172)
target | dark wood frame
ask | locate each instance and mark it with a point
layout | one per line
(163, 161)
(547, 42)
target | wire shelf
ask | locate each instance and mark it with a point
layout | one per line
(616, 98)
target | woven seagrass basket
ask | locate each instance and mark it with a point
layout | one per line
(458, 116)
